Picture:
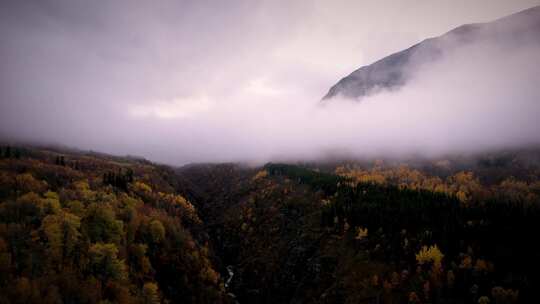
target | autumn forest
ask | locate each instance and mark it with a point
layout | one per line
(85, 227)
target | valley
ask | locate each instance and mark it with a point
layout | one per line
(86, 227)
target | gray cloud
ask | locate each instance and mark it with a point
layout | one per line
(185, 81)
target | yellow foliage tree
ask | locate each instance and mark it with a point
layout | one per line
(157, 231)
(434, 256)
(27, 183)
(151, 293)
(260, 174)
(431, 254)
(361, 233)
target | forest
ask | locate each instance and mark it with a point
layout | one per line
(86, 227)
(94, 229)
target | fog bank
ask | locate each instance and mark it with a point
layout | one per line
(181, 82)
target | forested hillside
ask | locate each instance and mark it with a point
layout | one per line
(90, 228)
(294, 234)
(78, 227)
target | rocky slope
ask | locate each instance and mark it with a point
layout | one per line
(392, 72)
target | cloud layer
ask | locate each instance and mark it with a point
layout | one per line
(183, 82)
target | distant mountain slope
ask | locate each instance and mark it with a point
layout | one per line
(393, 71)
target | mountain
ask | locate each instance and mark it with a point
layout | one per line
(392, 72)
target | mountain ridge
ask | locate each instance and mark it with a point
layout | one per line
(393, 71)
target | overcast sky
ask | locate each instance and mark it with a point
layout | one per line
(188, 81)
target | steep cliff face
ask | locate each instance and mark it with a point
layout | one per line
(393, 71)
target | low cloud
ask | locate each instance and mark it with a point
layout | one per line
(174, 91)
(477, 97)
